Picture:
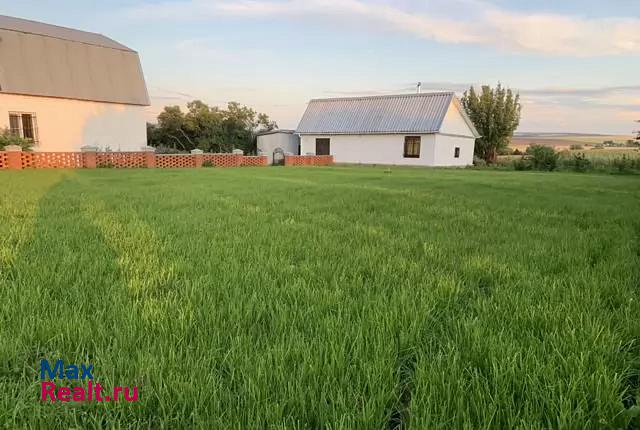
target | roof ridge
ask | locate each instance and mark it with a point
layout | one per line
(383, 96)
(61, 37)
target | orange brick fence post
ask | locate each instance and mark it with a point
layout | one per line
(198, 157)
(89, 157)
(238, 154)
(149, 157)
(14, 157)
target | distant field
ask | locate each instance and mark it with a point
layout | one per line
(323, 298)
(608, 153)
(562, 141)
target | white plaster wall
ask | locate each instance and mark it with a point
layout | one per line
(373, 149)
(454, 124)
(445, 149)
(267, 143)
(67, 125)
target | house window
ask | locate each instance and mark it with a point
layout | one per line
(24, 125)
(323, 146)
(456, 152)
(412, 147)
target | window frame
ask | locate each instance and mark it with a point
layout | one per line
(410, 145)
(20, 130)
(456, 152)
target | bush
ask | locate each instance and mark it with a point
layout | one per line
(626, 164)
(169, 150)
(7, 138)
(578, 163)
(576, 147)
(505, 150)
(517, 152)
(522, 164)
(207, 163)
(598, 146)
(479, 162)
(543, 157)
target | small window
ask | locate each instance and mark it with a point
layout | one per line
(412, 147)
(24, 125)
(456, 152)
(323, 146)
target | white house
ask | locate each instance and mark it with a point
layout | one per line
(67, 88)
(275, 143)
(424, 129)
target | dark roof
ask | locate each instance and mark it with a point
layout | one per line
(404, 113)
(275, 131)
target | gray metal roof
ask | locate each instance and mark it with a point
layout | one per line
(46, 60)
(389, 114)
(42, 29)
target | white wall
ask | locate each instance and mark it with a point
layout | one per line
(454, 132)
(445, 150)
(373, 149)
(454, 124)
(435, 149)
(267, 143)
(67, 125)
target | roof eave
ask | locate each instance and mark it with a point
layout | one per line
(358, 133)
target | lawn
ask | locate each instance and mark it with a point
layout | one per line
(333, 298)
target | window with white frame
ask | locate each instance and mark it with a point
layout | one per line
(24, 125)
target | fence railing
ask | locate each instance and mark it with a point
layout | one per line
(308, 160)
(89, 158)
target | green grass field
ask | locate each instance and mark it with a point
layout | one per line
(334, 298)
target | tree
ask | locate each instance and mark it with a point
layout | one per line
(638, 133)
(496, 115)
(208, 128)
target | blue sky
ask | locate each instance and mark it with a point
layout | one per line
(575, 62)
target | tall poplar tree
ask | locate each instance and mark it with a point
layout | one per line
(496, 115)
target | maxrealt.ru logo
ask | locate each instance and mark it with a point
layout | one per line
(93, 392)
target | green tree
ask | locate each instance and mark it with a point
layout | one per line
(208, 128)
(496, 115)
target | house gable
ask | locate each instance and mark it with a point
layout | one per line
(455, 123)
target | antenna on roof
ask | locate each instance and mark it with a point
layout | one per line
(419, 87)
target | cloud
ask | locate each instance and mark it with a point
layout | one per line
(484, 24)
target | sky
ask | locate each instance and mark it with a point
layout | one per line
(575, 63)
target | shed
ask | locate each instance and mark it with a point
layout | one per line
(274, 143)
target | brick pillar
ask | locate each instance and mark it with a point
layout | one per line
(89, 156)
(149, 156)
(14, 157)
(238, 155)
(198, 157)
